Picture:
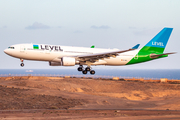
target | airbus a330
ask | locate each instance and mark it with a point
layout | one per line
(58, 55)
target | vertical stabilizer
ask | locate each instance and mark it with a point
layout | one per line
(154, 48)
(158, 43)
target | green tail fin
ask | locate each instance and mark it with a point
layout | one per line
(154, 48)
(158, 43)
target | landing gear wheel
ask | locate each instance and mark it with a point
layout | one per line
(84, 72)
(92, 72)
(80, 69)
(22, 64)
(88, 68)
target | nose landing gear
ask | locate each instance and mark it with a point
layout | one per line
(84, 71)
(22, 64)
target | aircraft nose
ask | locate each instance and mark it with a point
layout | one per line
(6, 51)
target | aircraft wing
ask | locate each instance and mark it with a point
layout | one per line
(94, 57)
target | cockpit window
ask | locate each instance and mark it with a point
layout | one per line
(10, 47)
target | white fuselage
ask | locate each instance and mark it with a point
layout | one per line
(54, 53)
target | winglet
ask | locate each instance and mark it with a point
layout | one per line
(136, 46)
(92, 46)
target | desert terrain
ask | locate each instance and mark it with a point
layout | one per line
(32, 97)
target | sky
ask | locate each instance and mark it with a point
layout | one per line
(104, 23)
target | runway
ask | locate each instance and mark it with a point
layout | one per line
(89, 114)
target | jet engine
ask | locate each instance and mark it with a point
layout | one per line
(68, 61)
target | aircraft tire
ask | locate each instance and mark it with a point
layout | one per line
(92, 72)
(88, 68)
(84, 72)
(22, 64)
(80, 69)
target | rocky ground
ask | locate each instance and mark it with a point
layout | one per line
(15, 98)
(74, 98)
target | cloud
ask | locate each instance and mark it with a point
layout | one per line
(37, 25)
(132, 27)
(100, 27)
(145, 31)
(3, 27)
(77, 31)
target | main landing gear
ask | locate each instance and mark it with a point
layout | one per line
(22, 64)
(84, 71)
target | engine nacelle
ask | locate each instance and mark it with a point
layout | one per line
(68, 61)
(55, 63)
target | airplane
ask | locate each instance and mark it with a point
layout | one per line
(58, 55)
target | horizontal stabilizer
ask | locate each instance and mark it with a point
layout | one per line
(158, 55)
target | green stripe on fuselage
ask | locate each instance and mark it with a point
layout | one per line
(144, 54)
(151, 49)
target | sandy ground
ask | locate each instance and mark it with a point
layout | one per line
(77, 98)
